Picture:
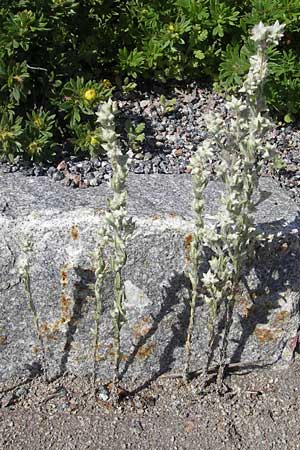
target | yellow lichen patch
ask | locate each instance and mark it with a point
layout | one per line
(74, 232)
(281, 316)
(264, 335)
(187, 245)
(142, 327)
(145, 350)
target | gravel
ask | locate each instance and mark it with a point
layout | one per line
(171, 137)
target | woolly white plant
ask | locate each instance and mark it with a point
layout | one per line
(115, 232)
(199, 181)
(243, 153)
(24, 271)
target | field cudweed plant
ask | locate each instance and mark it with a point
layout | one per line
(24, 271)
(231, 240)
(116, 230)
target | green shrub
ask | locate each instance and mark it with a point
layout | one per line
(283, 86)
(62, 57)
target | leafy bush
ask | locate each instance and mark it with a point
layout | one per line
(283, 85)
(60, 58)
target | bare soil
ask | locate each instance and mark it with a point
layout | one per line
(259, 410)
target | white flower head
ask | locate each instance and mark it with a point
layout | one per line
(106, 112)
(271, 34)
(276, 32)
(23, 265)
(259, 32)
(209, 278)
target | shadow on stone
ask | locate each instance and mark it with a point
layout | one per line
(168, 305)
(84, 278)
(35, 370)
(277, 268)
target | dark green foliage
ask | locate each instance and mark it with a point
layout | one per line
(57, 56)
(283, 85)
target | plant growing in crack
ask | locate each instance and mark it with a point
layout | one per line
(231, 240)
(24, 271)
(199, 180)
(115, 232)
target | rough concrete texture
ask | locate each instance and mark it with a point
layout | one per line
(63, 224)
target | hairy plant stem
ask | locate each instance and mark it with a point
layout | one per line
(200, 180)
(190, 332)
(25, 276)
(99, 274)
(115, 232)
(118, 321)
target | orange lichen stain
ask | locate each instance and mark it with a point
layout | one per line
(187, 245)
(281, 316)
(54, 327)
(246, 307)
(264, 335)
(50, 330)
(145, 350)
(64, 277)
(44, 328)
(65, 303)
(155, 217)
(247, 311)
(99, 211)
(121, 392)
(3, 339)
(74, 232)
(142, 327)
(110, 352)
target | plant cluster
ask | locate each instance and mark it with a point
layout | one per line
(60, 58)
(114, 234)
(24, 271)
(232, 236)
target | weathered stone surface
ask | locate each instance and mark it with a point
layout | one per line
(62, 225)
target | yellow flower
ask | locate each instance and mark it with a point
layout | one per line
(106, 83)
(90, 95)
(33, 147)
(171, 27)
(4, 135)
(93, 140)
(37, 122)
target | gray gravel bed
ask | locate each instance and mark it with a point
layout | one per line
(171, 137)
